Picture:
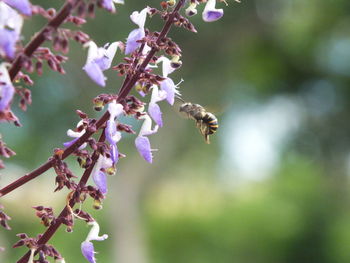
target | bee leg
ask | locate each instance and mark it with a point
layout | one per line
(206, 137)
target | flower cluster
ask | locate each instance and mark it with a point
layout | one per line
(150, 58)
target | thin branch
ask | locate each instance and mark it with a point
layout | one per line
(36, 42)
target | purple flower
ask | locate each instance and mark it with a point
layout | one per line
(153, 108)
(99, 60)
(87, 248)
(168, 85)
(76, 135)
(109, 4)
(210, 13)
(6, 88)
(23, 6)
(10, 28)
(139, 18)
(142, 142)
(98, 173)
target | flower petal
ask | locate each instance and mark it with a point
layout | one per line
(170, 88)
(156, 114)
(87, 248)
(107, 54)
(166, 66)
(7, 92)
(67, 144)
(139, 18)
(100, 179)
(95, 73)
(131, 42)
(115, 109)
(114, 153)
(144, 148)
(210, 13)
(21, 5)
(8, 40)
(109, 5)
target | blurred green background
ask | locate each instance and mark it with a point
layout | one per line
(272, 187)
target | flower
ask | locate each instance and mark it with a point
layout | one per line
(6, 88)
(99, 60)
(210, 13)
(168, 85)
(153, 108)
(76, 135)
(10, 28)
(21, 5)
(113, 136)
(142, 142)
(139, 18)
(98, 173)
(109, 4)
(87, 248)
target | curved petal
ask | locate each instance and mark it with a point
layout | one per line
(67, 144)
(95, 73)
(111, 129)
(156, 114)
(139, 18)
(131, 42)
(21, 5)
(144, 148)
(170, 88)
(114, 153)
(100, 179)
(87, 248)
(106, 55)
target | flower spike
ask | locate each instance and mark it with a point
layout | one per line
(210, 13)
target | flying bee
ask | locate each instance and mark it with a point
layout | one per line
(206, 122)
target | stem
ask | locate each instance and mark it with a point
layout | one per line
(53, 228)
(36, 42)
(124, 91)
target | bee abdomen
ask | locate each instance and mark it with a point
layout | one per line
(212, 122)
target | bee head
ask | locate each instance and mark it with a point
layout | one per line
(185, 107)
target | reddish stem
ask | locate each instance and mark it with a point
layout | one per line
(36, 42)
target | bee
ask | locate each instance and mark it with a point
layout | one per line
(206, 122)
